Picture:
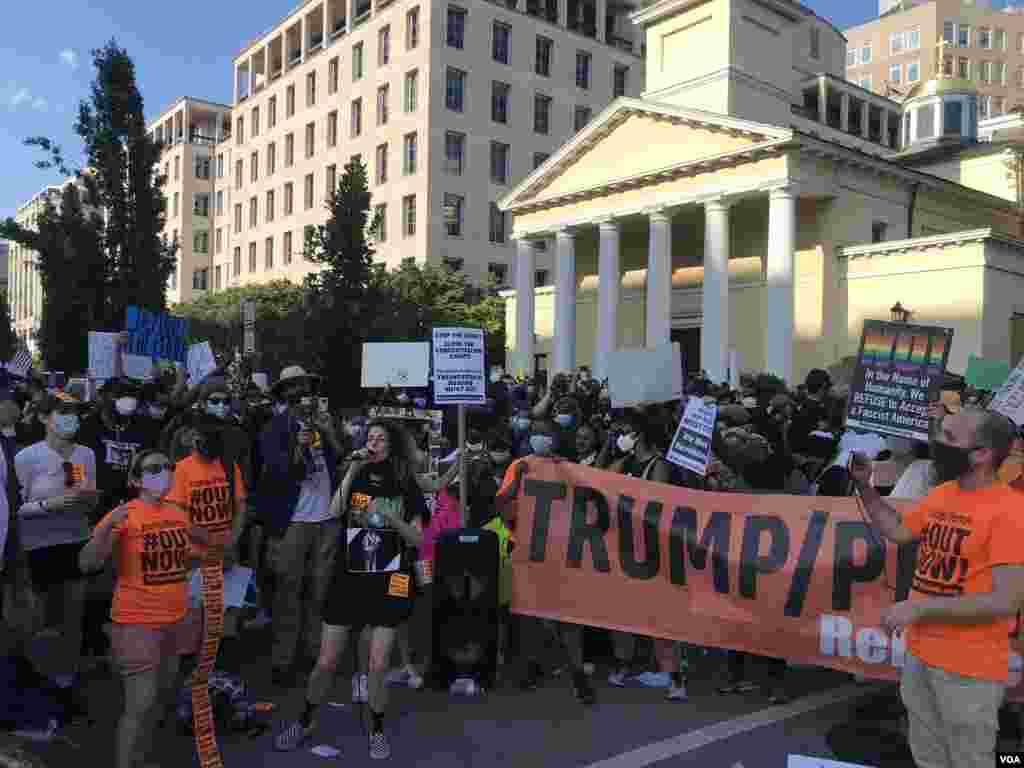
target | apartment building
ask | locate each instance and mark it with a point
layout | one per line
(890, 54)
(449, 104)
(190, 130)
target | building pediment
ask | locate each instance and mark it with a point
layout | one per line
(635, 140)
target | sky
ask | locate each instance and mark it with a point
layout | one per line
(183, 48)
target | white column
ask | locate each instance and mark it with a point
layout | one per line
(823, 100)
(659, 279)
(601, 12)
(844, 111)
(526, 279)
(609, 279)
(779, 273)
(252, 75)
(885, 127)
(563, 12)
(565, 302)
(327, 29)
(865, 120)
(714, 329)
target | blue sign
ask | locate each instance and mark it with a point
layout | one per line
(156, 335)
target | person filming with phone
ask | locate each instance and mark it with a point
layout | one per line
(968, 586)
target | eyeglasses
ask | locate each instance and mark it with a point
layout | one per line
(156, 469)
(218, 400)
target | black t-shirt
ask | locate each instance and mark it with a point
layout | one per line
(116, 448)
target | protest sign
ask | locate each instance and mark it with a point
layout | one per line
(985, 373)
(139, 367)
(104, 350)
(201, 362)
(396, 365)
(459, 366)
(790, 577)
(644, 376)
(899, 372)
(156, 335)
(1009, 400)
(691, 447)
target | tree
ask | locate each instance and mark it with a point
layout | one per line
(8, 338)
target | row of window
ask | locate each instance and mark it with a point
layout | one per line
(899, 42)
(962, 35)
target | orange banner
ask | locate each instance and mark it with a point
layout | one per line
(205, 727)
(793, 577)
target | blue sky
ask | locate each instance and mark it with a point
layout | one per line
(179, 48)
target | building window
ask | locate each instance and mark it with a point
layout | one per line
(220, 202)
(174, 205)
(411, 96)
(289, 198)
(865, 83)
(271, 112)
(218, 240)
(500, 37)
(356, 118)
(332, 128)
(453, 205)
(384, 45)
(539, 158)
(220, 167)
(581, 117)
(311, 89)
(865, 53)
(815, 43)
(357, 62)
(252, 257)
(986, 72)
(895, 73)
(201, 204)
(913, 71)
(201, 242)
(412, 28)
(541, 114)
(333, 66)
(1020, 77)
(237, 261)
(952, 118)
(253, 212)
(409, 151)
(177, 168)
(239, 132)
(913, 39)
(382, 104)
(895, 43)
(963, 68)
(409, 215)
(382, 164)
(949, 32)
(582, 69)
(498, 274)
(963, 35)
(984, 38)
(216, 278)
(499, 102)
(454, 152)
(268, 214)
(289, 101)
(199, 279)
(238, 218)
(499, 162)
(203, 168)
(542, 64)
(380, 219)
(456, 27)
(496, 233)
(310, 139)
(254, 167)
(268, 253)
(998, 106)
(286, 247)
(456, 89)
(540, 278)
(878, 230)
(255, 120)
(308, 199)
(851, 57)
(1001, 72)
(289, 150)
(947, 65)
(271, 158)
(330, 180)
(620, 77)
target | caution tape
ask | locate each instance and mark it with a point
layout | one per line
(213, 628)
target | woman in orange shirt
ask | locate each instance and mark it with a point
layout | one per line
(153, 622)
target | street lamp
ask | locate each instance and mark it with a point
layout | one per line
(899, 314)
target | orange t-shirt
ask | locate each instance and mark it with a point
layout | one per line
(152, 551)
(963, 536)
(1013, 467)
(201, 487)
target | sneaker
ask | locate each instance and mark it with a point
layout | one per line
(380, 749)
(676, 693)
(583, 689)
(465, 686)
(360, 689)
(292, 735)
(653, 680)
(397, 678)
(415, 679)
(618, 677)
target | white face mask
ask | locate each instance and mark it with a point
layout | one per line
(126, 406)
(158, 484)
(626, 443)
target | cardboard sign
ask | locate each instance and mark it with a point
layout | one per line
(691, 446)
(1009, 400)
(156, 335)
(396, 365)
(138, 367)
(459, 366)
(899, 371)
(645, 376)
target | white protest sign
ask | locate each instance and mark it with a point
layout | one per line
(1009, 400)
(201, 362)
(103, 351)
(138, 367)
(691, 446)
(643, 376)
(398, 365)
(459, 366)
(800, 761)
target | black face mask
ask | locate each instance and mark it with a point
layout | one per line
(951, 461)
(210, 444)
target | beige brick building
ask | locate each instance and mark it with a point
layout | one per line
(894, 52)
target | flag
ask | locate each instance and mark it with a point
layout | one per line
(20, 363)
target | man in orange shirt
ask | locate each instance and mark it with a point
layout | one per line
(968, 586)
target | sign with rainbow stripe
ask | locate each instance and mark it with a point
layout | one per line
(899, 372)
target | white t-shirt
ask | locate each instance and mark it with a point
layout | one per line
(915, 482)
(314, 505)
(41, 476)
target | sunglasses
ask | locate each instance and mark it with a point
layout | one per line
(156, 469)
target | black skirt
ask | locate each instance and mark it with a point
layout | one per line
(358, 600)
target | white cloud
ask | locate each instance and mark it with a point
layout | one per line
(69, 57)
(14, 97)
(40, 104)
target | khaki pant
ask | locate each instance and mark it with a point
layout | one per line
(303, 557)
(953, 719)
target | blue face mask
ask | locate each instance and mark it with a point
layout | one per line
(542, 445)
(565, 420)
(520, 424)
(218, 410)
(65, 425)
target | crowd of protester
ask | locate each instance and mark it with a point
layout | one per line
(112, 503)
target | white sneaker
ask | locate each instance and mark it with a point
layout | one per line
(465, 686)
(360, 689)
(676, 693)
(415, 680)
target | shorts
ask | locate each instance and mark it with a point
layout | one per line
(139, 648)
(50, 566)
(363, 601)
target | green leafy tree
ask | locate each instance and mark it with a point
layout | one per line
(8, 338)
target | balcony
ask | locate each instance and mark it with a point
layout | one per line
(199, 138)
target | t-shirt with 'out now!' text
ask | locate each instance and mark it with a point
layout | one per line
(201, 487)
(152, 550)
(963, 535)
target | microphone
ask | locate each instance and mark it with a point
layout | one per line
(361, 455)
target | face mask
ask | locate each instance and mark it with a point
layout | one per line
(474, 447)
(65, 425)
(420, 402)
(542, 445)
(219, 410)
(564, 420)
(126, 406)
(520, 425)
(157, 411)
(159, 484)
(500, 457)
(951, 461)
(626, 443)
